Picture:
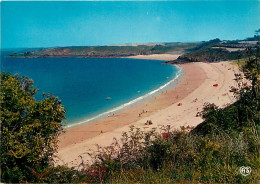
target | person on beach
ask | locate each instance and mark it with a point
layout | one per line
(147, 122)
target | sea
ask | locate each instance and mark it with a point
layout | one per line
(94, 88)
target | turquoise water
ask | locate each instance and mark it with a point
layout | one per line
(83, 84)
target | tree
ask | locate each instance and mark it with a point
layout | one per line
(257, 32)
(29, 130)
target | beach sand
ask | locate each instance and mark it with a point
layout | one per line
(197, 83)
(166, 57)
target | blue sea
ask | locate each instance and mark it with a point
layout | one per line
(84, 84)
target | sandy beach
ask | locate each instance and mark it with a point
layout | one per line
(166, 57)
(194, 89)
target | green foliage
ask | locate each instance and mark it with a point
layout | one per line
(29, 129)
(216, 50)
(208, 44)
(209, 54)
(181, 157)
(159, 152)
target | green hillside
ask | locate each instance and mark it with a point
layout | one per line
(217, 50)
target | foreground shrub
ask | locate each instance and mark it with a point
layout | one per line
(182, 157)
(29, 130)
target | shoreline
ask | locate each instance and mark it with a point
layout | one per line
(82, 128)
(170, 84)
(78, 134)
(162, 109)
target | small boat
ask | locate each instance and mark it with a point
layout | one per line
(108, 98)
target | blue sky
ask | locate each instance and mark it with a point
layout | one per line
(49, 24)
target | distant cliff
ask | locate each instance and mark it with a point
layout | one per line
(108, 51)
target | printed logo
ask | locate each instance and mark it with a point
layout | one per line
(245, 171)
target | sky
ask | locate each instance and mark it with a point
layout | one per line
(84, 23)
